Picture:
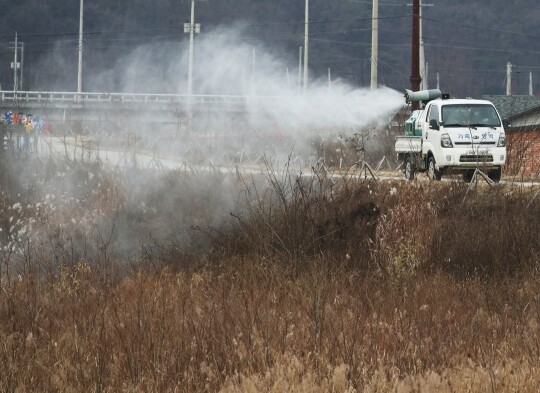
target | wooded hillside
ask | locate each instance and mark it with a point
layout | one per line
(467, 43)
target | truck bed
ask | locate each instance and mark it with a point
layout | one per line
(408, 144)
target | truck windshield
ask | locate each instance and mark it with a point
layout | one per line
(470, 115)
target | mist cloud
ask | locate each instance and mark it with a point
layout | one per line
(276, 108)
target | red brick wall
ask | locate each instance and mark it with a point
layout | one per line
(523, 152)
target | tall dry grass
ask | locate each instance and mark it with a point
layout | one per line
(254, 326)
(314, 285)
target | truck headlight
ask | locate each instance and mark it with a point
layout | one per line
(446, 141)
(502, 141)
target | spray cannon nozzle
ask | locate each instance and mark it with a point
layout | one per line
(422, 95)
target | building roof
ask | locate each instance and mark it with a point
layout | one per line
(526, 121)
(511, 106)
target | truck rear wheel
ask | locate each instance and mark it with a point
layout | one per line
(433, 172)
(410, 168)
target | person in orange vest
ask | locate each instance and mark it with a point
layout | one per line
(28, 129)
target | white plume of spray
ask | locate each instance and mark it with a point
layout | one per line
(228, 65)
(277, 107)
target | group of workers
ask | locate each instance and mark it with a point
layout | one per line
(33, 126)
(29, 122)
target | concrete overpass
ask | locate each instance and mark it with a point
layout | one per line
(88, 108)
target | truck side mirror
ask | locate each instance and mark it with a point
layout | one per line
(506, 123)
(434, 124)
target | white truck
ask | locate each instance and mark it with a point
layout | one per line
(450, 136)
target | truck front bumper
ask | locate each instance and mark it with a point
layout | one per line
(473, 158)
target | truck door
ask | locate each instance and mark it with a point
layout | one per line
(432, 135)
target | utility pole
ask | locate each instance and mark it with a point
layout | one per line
(423, 72)
(530, 84)
(374, 43)
(306, 47)
(421, 55)
(299, 68)
(423, 64)
(22, 67)
(438, 82)
(15, 65)
(508, 79)
(79, 71)
(191, 33)
(192, 28)
(415, 57)
(424, 76)
(253, 71)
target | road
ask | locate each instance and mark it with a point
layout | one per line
(74, 149)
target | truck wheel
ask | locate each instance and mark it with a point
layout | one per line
(410, 168)
(495, 174)
(433, 172)
(468, 175)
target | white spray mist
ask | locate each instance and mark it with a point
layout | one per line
(276, 118)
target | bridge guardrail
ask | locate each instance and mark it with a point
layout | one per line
(72, 97)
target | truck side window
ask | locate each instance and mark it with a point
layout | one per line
(433, 113)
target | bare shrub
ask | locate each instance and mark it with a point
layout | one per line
(491, 234)
(405, 232)
(293, 217)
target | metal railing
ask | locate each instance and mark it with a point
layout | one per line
(73, 97)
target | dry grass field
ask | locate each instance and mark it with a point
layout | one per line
(276, 284)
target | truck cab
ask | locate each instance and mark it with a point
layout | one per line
(451, 136)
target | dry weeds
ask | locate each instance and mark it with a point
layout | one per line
(314, 286)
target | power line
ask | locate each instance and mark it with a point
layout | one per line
(125, 41)
(103, 32)
(328, 21)
(88, 33)
(357, 43)
(458, 44)
(479, 27)
(526, 52)
(340, 31)
(525, 67)
(178, 29)
(383, 4)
